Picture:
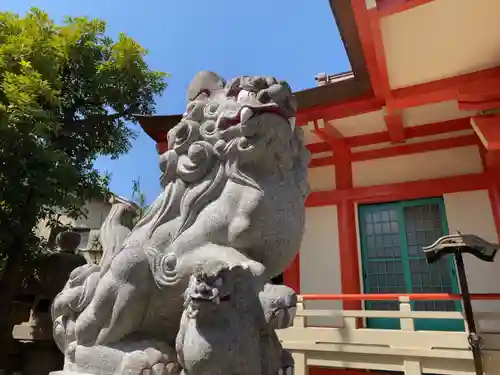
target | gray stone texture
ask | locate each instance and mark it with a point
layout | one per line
(187, 289)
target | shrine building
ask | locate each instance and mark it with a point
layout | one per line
(403, 149)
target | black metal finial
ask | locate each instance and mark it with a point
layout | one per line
(465, 243)
(457, 244)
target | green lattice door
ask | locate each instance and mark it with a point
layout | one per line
(392, 237)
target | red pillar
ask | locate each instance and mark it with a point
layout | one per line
(494, 193)
(291, 276)
(491, 165)
(348, 253)
(346, 217)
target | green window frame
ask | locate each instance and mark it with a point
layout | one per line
(391, 236)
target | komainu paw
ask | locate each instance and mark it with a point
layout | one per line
(148, 362)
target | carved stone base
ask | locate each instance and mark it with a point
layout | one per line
(130, 358)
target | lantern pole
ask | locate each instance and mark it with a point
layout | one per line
(458, 244)
(474, 338)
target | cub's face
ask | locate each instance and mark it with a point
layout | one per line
(214, 283)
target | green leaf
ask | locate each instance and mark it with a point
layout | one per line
(67, 94)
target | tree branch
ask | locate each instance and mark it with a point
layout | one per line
(88, 124)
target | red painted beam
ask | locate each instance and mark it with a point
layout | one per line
(435, 128)
(366, 22)
(316, 148)
(338, 110)
(492, 163)
(380, 59)
(417, 95)
(488, 130)
(329, 132)
(321, 162)
(480, 91)
(479, 105)
(420, 189)
(341, 152)
(415, 148)
(406, 149)
(402, 191)
(334, 138)
(440, 90)
(395, 127)
(324, 198)
(480, 95)
(390, 7)
(410, 132)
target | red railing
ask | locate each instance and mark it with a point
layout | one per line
(395, 297)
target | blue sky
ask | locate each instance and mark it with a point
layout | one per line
(290, 39)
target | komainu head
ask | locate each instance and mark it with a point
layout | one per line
(246, 124)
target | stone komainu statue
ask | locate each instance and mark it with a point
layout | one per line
(234, 182)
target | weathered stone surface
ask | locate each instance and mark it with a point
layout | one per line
(230, 217)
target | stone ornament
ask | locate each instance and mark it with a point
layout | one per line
(188, 287)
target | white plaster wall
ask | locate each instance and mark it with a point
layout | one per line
(319, 261)
(365, 123)
(434, 112)
(97, 212)
(470, 212)
(322, 178)
(422, 166)
(42, 230)
(441, 39)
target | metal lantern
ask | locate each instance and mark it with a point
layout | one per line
(67, 241)
(457, 244)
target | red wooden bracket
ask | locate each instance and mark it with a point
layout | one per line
(334, 138)
(480, 95)
(395, 126)
(487, 128)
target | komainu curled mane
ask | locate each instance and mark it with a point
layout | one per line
(234, 182)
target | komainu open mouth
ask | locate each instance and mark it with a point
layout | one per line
(246, 112)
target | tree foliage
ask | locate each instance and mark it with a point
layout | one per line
(67, 95)
(139, 198)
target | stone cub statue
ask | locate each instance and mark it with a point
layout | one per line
(223, 329)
